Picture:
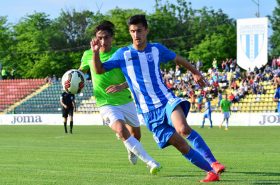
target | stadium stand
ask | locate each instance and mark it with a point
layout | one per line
(13, 91)
(47, 101)
(249, 91)
(257, 102)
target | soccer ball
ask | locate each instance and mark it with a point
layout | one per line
(73, 81)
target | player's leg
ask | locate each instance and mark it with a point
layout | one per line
(226, 124)
(210, 119)
(133, 125)
(220, 126)
(181, 126)
(165, 134)
(194, 157)
(65, 124)
(135, 132)
(178, 119)
(132, 119)
(71, 120)
(226, 118)
(133, 145)
(203, 121)
(115, 119)
(65, 115)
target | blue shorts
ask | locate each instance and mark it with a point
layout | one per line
(159, 121)
(207, 115)
(226, 115)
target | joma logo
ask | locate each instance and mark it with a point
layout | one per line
(270, 119)
(27, 119)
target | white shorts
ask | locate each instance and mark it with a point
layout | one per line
(126, 112)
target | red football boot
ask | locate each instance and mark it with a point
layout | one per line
(211, 177)
(218, 167)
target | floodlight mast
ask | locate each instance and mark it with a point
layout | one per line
(257, 2)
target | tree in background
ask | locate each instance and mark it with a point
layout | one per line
(119, 17)
(6, 42)
(195, 34)
(38, 46)
(32, 35)
(275, 38)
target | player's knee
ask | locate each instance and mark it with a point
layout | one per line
(123, 133)
(184, 131)
(137, 135)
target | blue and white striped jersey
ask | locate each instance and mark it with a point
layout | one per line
(208, 107)
(142, 72)
(277, 96)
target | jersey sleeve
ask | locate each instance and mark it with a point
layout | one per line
(114, 61)
(84, 63)
(165, 55)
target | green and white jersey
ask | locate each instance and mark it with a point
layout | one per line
(101, 81)
(225, 105)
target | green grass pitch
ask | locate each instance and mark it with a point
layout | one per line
(44, 155)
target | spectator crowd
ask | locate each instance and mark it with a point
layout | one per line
(225, 78)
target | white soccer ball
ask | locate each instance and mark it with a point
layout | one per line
(73, 81)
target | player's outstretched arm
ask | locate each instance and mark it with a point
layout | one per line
(198, 78)
(116, 88)
(95, 46)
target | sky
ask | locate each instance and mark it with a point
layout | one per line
(236, 9)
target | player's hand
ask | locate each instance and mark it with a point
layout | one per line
(114, 88)
(200, 80)
(95, 45)
(65, 106)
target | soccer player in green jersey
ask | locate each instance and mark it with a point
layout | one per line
(225, 108)
(114, 99)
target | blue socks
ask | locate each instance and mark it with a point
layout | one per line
(198, 160)
(211, 125)
(202, 125)
(199, 145)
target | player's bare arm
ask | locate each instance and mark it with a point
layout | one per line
(62, 104)
(74, 105)
(95, 46)
(116, 88)
(198, 78)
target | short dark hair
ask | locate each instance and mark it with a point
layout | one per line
(105, 26)
(138, 19)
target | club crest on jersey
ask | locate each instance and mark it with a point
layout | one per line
(149, 57)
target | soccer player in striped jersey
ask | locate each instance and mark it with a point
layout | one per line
(163, 112)
(207, 112)
(114, 99)
(276, 97)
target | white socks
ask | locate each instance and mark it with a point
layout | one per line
(135, 146)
